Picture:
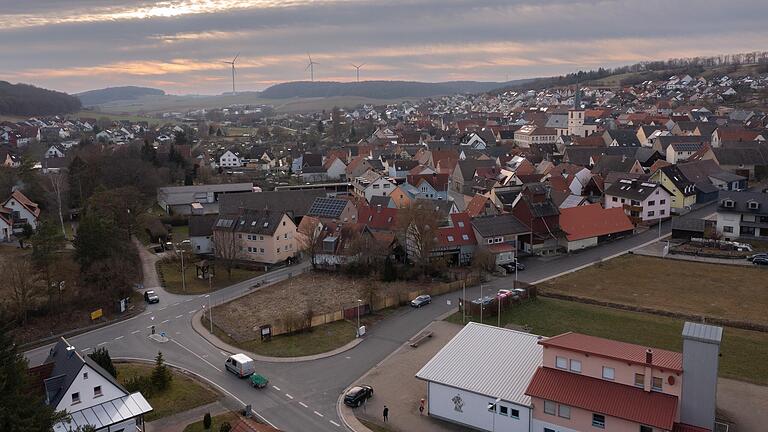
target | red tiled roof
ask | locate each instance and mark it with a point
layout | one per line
(438, 181)
(613, 399)
(383, 218)
(593, 220)
(476, 205)
(662, 359)
(457, 231)
(26, 202)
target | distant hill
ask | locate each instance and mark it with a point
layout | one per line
(28, 100)
(377, 89)
(111, 94)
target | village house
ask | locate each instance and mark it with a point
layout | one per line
(682, 190)
(372, 184)
(644, 202)
(742, 215)
(260, 236)
(500, 236)
(20, 210)
(535, 208)
(528, 135)
(589, 225)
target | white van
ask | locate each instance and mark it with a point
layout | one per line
(241, 365)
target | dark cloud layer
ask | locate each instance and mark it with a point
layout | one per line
(179, 44)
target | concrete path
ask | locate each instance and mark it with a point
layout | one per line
(148, 269)
(177, 422)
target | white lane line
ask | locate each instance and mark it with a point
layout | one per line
(303, 404)
(100, 344)
(318, 414)
(85, 349)
(119, 337)
(334, 423)
(163, 308)
(276, 388)
(136, 331)
(188, 300)
(164, 322)
(179, 316)
(225, 355)
(201, 295)
(176, 304)
(192, 311)
(289, 396)
(196, 355)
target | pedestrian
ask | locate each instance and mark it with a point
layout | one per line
(153, 329)
(386, 413)
(421, 406)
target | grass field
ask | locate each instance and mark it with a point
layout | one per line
(320, 339)
(550, 317)
(723, 291)
(216, 422)
(183, 394)
(171, 271)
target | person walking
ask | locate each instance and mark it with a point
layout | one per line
(386, 413)
(421, 406)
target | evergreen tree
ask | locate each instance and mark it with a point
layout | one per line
(96, 239)
(102, 358)
(161, 375)
(148, 153)
(207, 421)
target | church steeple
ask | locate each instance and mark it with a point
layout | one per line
(577, 98)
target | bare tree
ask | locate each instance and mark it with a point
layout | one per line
(228, 246)
(58, 183)
(25, 284)
(419, 225)
(310, 237)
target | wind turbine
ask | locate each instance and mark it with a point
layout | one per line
(233, 70)
(357, 68)
(311, 67)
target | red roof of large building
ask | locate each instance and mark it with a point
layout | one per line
(460, 233)
(593, 345)
(582, 222)
(610, 398)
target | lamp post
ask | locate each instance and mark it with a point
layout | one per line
(183, 275)
(482, 303)
(359, 302)
(210, 312)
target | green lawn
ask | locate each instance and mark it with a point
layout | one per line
(183, 394)
(550, 317)
(320, 339)
(216, 422)
(171, 272)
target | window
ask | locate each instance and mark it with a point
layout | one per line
(261, 237)
(575, 366)
(650, 203)
(450, 238)
(550, 407)
(561, 362)
(278, 250)
(639, 380)
(609, 373)
(461, 224)
(657, 383)
(490, 241)
(76, 398)
(503, 410)
(262, 250)
(614, 199)
(491, 407)
(728, 229)
(375, 186)
(564, 411)
(285, 236)
(515, 414)
(662, 212)
(548, 430)
(662, 202)
(651, 213)
(85, 375)
(646, 428)
(97, 391)
(464, 237)
(598, 421)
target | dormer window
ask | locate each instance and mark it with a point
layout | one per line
(728, 203)
(753, 205)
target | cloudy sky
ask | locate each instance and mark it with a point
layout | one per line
(180, 45)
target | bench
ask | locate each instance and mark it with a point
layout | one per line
(419, 338)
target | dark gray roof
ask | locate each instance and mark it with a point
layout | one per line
(688, 146)
(327, 207)
(405, 164)
(469, 166)
(624, 137)
(689, 224)
(665, 141)
(739, 156)
(67, 363)
(632, 189)
(610, 163)
(504, 224)
(543, 209)
(679, 179)
(201, 225)
(741, 202)
(378, 200)
(294, 202)
(250, 221)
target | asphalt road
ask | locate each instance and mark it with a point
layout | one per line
(302, 396)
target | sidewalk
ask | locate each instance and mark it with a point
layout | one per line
(177, 422)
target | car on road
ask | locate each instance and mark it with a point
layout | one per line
(760, 261)
(510, 267)
(757, 255)
(421, 300)
(240, 365)
(151, 297)
(357, 395)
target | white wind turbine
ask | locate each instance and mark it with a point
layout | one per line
(311, 67)
(357, 69)
(233, 70)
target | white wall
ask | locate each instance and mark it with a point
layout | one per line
(85, 388)
(201, 244)
(580, 244)
(725, 218)
(538, 426)
(475, 410)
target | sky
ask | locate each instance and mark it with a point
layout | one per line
(180, 46)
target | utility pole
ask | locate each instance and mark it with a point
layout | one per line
(464, 302)
(358, 317)
(183, 275)
(482, 301)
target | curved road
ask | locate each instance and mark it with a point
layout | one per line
(302, 396)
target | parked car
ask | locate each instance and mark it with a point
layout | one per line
(757, 255)
(240, 365)
(357, 395)
(150, 297)
(421, 300)
(510, 268)
(485, 301)
(504, 293)
(760, 261)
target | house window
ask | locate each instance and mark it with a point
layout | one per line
(464, 237)
(85, 375)
(461, 224)
(278, 250)
(564, 411)
(549, 430)
(609, 373)
(503, 410)
(651, 213)
(662, 212)
(656, 383)
(644, 428)
(650, 203)
(515, 414)
(575, 366)
(262, 250)
(450, 238)
(561, 362)
(97, 391)
(75, 398)
(728, 229)
(261, 237)
(662, 202)
(550, 407)
(639, 380)
(614, 199)
(490, 241)
(285, 236)
(598, 421)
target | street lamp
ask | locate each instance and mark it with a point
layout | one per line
(492, 408)
(183, 274)
(359, 302)
(210, 312)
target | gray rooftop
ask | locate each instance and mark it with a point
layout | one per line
(488, 360)
(505, 224)
(703, 332)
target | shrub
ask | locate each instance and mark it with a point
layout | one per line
(207, 421)
(141, 384)
(225, 427)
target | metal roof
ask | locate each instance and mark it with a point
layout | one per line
(491, 361)
(106, 414)
(703, 332)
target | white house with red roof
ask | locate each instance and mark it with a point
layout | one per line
(22, 210)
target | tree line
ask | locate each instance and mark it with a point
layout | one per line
(28, 100)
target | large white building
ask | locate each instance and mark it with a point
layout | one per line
(480, 365)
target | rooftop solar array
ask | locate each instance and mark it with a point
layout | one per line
(327, 207)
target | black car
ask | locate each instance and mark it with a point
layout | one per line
(150, 297)
(357, 395)
(757, 255)
(762, 260)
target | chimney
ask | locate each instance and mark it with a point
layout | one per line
(701, 358)
(378, 208)
(649, 356)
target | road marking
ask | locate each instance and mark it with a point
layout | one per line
(303, 404)
(179, 316)
(195, 354)
(225, 355)
(119, 337)
(289, 396)
(188, 300)
(192, 311)
(135, 331)
(164, 322)
(85, 349)
(149, 327)
(276, 388)
(318, 414)
(334, 423)
(103, 343)
(163, 308)
(176, 304)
